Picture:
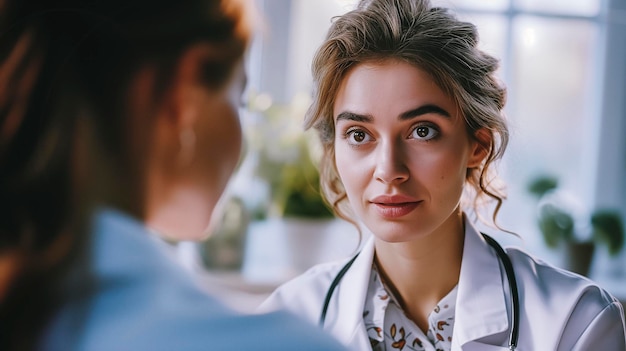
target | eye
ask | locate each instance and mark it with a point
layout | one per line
(424, 132)
(357, 136)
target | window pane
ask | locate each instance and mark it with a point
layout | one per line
(473, 4)
(491, 35)
(572, 7)
(344, 5)
(549, 102)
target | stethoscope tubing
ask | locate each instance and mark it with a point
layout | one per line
(510, 276)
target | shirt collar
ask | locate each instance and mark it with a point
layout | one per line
(124, 246)
(383, 310)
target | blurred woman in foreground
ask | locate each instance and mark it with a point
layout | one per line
(118, 120)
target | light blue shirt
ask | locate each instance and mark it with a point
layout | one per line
(143, 300)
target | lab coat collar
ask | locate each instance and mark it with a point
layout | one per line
(481, 306)
(352, 300)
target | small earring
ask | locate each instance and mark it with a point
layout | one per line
(187, 146)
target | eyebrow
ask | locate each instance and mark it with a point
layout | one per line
(424, 110)
(416, 112)
(351, 116)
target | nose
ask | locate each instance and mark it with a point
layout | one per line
(391, 163)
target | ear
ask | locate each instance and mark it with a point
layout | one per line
(481, 145)
(186, 92)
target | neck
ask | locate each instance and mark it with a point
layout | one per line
(423, 271)
(180, 211)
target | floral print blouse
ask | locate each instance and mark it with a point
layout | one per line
(390, 329)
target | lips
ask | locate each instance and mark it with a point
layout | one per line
(394, 206)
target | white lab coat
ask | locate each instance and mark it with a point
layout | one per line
(559, 310)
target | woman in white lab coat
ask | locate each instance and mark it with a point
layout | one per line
(409, 113)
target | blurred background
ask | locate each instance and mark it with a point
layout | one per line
(564, 63)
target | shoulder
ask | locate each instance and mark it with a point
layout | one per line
(232, 331)
(316, 275)
(548, 280)
(561, 294)
(140, 299)
(581, 313)
(182, 317)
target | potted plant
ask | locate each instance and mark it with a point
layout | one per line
(561, 225)
(287, 163)
(224, 249)
(293, 182)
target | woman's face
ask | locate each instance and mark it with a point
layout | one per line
(401, 150)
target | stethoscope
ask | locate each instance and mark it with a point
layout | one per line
(510, 276)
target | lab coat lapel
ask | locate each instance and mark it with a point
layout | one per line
(481, 308)
(481, 305)
(347, 324)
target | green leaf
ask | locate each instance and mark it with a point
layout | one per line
(608, 228)
(555, 224)
(542, 184)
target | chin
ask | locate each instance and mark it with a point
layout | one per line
(395, 232)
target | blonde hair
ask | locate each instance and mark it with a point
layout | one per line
(432, 39)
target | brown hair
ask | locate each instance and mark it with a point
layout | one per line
(430, 38)
(65, 65)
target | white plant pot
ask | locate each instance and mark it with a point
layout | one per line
(281, 248)
(305, 240)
